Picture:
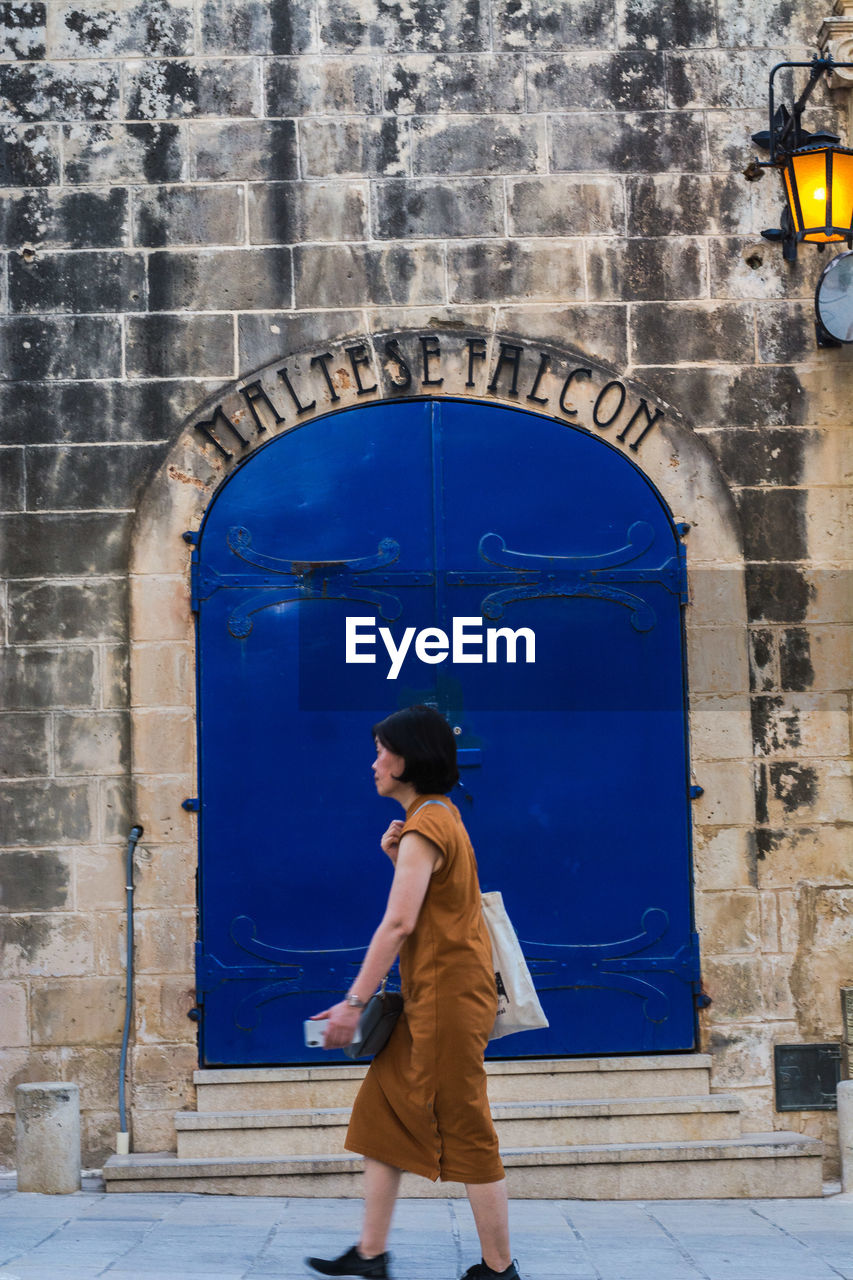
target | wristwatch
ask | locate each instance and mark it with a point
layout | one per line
(355, 1003)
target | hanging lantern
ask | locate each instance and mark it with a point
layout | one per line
(819, 186)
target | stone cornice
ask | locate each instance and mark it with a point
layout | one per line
(836, 38)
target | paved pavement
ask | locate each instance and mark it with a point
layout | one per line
(128, 1236)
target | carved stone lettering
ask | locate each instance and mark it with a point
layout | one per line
(359, 358)
(413, 361)
(322, 361)
(300, 407)
(510, 354)
(544, 361)
(574, 373)
(205, 428)
(651, 418)
(476, 351)
(431, 348)
(254, 394)
(615, 407)
(404, 380)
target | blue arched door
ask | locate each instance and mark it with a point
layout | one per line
(328, 548)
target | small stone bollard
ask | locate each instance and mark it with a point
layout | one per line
(845, 1132)
(47, 1133)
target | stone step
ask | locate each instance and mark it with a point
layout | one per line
(754, 1165)
(518, 1080)
(321, 1131)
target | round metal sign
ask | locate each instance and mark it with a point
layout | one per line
(834, 298)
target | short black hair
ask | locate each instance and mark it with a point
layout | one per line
(425, 740)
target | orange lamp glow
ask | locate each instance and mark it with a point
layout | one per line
(819, 186)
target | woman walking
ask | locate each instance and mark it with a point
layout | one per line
(423, 1105)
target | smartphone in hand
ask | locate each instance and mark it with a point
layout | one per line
(315, 1032)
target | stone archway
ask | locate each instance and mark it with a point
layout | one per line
(509, 369)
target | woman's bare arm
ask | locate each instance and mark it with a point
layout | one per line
(417, 858)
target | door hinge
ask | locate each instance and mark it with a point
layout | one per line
(200, 985)
(194, 580)
(683, 590)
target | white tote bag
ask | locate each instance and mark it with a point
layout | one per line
(518, 1004)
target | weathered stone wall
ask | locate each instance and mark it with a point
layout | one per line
(189, 191)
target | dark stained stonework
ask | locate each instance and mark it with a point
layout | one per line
(756, 457)
(256, 149)
(422, 25)
(462, 83)
(775, 727)
(495, 144)
(47, 813)
(100, 476)
(36, 347)
(650, 24)
(64, 220)
(763, 660)
(256, 26)
(777, 593)
(576, 82)
(164, 90)
(533, 270)
(642, 270)
(34, 881)
(434, 209)
(59, 91)
(22, 28)
(348, 276)
(565, 205)
(29, 155)
(786, 332)
(363, 148)
(12, 480)
(685, 204)
(24, 752)
(774, 523)
(737, 396)
(80, 412)
(795, 659)
(617, 142)
(170, 346)
(553, 24)
(42, 679)
(692, 331)
(321, 86)
(295, 212)
(220, 280)
(77, 282)
(152, 28)
(187, 215)
(106, 153)
(70, 543)
(91, 610)
(794, 785)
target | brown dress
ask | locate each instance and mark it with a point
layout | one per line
(422, 1105)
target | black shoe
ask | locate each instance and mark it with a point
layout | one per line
(351, 1263)
(481, 1272)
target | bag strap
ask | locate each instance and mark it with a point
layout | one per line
(426, 802)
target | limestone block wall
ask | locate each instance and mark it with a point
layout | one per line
(189, 190)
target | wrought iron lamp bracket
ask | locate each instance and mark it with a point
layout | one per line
(785, 134)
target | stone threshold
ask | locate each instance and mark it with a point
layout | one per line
(494, 1067)
(302, 1117)
(753, 1146)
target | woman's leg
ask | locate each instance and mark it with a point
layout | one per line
(381, 1184)
(491, 1214)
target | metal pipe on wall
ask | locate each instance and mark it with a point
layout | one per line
(123, 1137)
